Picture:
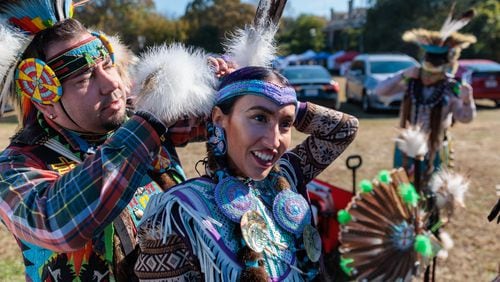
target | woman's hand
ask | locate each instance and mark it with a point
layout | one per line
(221, 66)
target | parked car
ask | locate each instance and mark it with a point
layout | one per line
(483, 76)
(366, 71)
(313, 83)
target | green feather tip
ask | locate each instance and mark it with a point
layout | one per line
(343, 264)
(408, 194)
(343, 217)
(384, 176)
(423, 245)
(366, 186)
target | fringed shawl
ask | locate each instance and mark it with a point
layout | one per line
(190, 211)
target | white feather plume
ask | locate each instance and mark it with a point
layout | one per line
(450, 183)
(12, 44)
(452, 25)
(412, 141)
(252, 46)
(173, 81)
(446, 240)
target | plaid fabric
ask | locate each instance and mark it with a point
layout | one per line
(187, 130)
(58, 210)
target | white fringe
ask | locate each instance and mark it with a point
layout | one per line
(174, 81)
(215, 265)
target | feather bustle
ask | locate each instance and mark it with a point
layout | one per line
(368, 238)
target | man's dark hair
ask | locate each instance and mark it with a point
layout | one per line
(60, 31)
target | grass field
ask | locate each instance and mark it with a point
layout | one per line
(476, 255)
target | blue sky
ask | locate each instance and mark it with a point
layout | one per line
(176, 8)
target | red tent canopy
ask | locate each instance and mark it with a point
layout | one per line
(347, 56)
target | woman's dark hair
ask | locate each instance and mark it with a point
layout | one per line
(248, 73)
(61, 31)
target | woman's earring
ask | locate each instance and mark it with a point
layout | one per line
(51, 116)
(217, 139)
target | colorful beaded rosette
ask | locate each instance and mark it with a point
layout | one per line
(37, 80)
(291, 211)
(233, 198)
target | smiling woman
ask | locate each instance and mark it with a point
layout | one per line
(248, 217)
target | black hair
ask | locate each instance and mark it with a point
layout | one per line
(61, 31)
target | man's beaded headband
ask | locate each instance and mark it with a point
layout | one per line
(41, 81)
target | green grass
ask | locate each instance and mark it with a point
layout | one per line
(11, 270)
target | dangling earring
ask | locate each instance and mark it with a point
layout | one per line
(216, 140)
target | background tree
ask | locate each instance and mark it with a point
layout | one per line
(486, 27)
(206, 22)
(136, 21)
(302, 34)
(388, 19)
(209, 21)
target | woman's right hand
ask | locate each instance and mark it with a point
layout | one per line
(222, 66)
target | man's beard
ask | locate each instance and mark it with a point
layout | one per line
(116, 122)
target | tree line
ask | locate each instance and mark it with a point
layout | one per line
(206, 22)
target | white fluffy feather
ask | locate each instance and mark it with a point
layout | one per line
(173, 81)
(452, 25)
(125, 59)
(452, 183)
(446, 240)
(412, 141)
(252, 46)
(12, 44)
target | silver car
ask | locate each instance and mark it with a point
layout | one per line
(366, 71)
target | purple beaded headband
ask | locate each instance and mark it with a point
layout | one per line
(279, 95)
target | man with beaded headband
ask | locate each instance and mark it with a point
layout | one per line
(78, 173)
(248, 218)
(433, 100)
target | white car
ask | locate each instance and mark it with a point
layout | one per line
(366, 71)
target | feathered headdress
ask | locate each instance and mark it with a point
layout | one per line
(20, 21)
(12, 44)
(33, 16)
(447, 41)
